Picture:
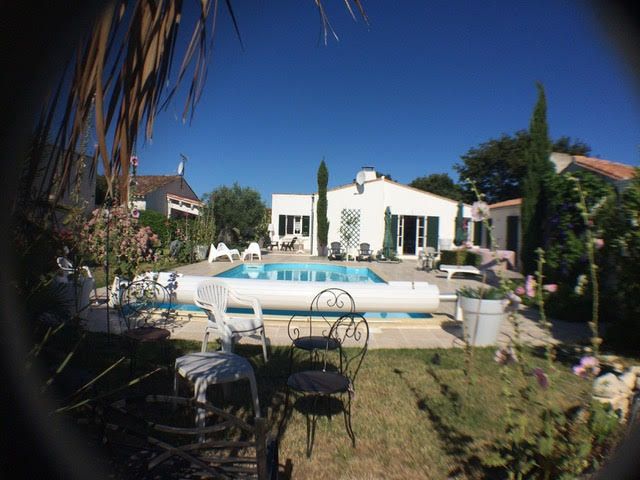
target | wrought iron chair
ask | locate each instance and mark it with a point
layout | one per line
(325, 307)
(333, 376)
(140, 305)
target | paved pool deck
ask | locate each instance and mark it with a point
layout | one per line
(439, 331)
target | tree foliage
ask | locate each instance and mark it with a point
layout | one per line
(440, 184)
(321, 209)
(537, 186)
(240, 209)
(498, 166)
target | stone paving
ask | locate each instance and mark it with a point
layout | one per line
(439, 331)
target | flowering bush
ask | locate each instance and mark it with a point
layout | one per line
(129, 245)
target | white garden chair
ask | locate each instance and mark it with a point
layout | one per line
(252, 249)
(214, 254)
(212, 296)
(224, 249)
(66, 268)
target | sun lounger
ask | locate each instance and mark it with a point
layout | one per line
(451, 269)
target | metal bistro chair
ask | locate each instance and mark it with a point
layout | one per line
(333, 376)
(325, 307)
(141, 303)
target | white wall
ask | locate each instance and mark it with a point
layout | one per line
(293, 204)
(499, 221)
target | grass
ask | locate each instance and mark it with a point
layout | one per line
(412, 414)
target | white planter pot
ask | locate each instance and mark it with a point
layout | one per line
(482, 320)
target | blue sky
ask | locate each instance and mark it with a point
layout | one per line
(410, 94)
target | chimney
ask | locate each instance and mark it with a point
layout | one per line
(369, 173)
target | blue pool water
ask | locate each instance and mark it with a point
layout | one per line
(303, 272)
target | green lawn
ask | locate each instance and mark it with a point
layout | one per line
(414, 414)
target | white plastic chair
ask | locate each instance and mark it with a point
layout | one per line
(223, 249)
(212, 296)
(252, 249)
(214, 254)
(67, 268)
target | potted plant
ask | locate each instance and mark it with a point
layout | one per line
(483, 311)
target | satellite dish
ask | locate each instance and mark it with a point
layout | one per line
(360, 177)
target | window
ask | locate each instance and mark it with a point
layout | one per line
(293, 225)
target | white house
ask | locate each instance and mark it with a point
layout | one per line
(356, 214)
(170, 195)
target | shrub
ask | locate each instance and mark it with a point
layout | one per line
(460, 257)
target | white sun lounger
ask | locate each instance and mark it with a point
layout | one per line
(451, 269)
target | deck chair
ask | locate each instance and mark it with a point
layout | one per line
(336, 252)
(252, 249)
(212, 296)
(222, 248)
(214, 254)
(289, 246)
(364, 253)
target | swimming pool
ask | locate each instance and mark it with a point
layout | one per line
(303, 272)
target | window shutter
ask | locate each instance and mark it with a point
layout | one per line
(477, 233)
(513, 227)
(289, 224)
(282, 221)
(394, 231)
(433, 234)
(305, 226)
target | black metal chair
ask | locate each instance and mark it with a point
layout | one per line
(364, 253)
(336, 252)
(310, 332)
(332, 377)
(144, 304)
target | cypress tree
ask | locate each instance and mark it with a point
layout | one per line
(537, 185)
(323, 223)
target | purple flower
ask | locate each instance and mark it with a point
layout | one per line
(134, 161)
(520, 290)
(135, 213)
(551, 288)
(598, 242)
(541, 377)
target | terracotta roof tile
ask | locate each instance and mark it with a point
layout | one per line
(507, 203)
(148, 183)
(617, 171)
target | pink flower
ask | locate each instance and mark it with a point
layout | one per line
(530, 286)
(588, 365)
(479, 211)
(541, 377)
(598, 242)
(520, 290)
(134, 161)
(135, 213)
(579, 370)
(551, 288)
(505, 356)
